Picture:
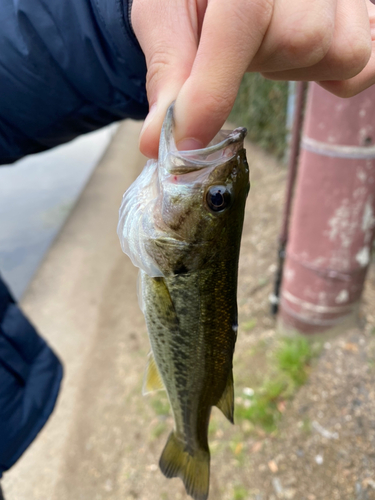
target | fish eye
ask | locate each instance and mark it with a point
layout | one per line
(218, 198)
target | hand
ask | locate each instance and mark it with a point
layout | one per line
(197, 52)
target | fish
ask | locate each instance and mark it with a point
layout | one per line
(181, 223)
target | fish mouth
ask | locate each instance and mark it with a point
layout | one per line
(224, 146)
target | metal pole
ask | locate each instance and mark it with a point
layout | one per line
(332, 223)
(292, 172)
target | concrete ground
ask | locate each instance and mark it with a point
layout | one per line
(83, 286)
(37, 194)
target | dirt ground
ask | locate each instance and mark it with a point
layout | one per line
(323, 448)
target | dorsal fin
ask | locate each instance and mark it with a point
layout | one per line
(152, 381)
(226, 402)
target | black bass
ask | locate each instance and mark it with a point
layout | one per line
(181, 224)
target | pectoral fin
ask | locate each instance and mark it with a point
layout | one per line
(152, 381)
(226, 402)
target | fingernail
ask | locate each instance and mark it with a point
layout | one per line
(149, 117)
(188, 144)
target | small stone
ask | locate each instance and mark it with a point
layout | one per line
(319, 459)
(257, 447)
(273, 466)
(351, 347)
(108, 485)
(281, 406)
(290, 493)
(368, 482)
(324, 432)
(247, 426)
(272, 268)
(248, 391)
(276, 483)
(238, 448)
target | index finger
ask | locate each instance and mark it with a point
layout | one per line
(231, 35)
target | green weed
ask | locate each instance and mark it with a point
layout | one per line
(288, 368)
(306, 425)
(158, 430)
(237, 448)
(239, 492)
(261, 408)
(261, 108)
(249, 325)
(160, 404)
(293, 358)
(213, 426)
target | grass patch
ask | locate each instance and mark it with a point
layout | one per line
(293, 358)
(261, 408)
(249, 325)
(159, 429)
(261, 107)
(306, 425)
(213, 426)
(160, 404)
(288, 368)
(237, 448)
(239, 493)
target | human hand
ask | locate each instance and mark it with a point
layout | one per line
(197, 52)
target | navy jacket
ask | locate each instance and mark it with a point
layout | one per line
(66, 67)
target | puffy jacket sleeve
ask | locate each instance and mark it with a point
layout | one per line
(66, 67)
(30, 377)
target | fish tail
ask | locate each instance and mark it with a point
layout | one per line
(193, 469)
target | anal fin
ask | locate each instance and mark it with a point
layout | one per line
(152, 381)
(226, 402)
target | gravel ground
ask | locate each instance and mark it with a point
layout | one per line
(324, 447)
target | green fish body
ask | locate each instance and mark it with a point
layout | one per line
(181, 223)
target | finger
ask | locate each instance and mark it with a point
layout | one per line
(231, 35)
(300, 34)
(168, 34)
(366, 77)
(348, 53)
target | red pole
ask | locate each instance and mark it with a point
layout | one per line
(332, 222)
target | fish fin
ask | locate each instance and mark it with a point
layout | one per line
(152, 381)
(194, 470)
(226, 402)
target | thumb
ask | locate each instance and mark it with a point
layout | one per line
(168, 34)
